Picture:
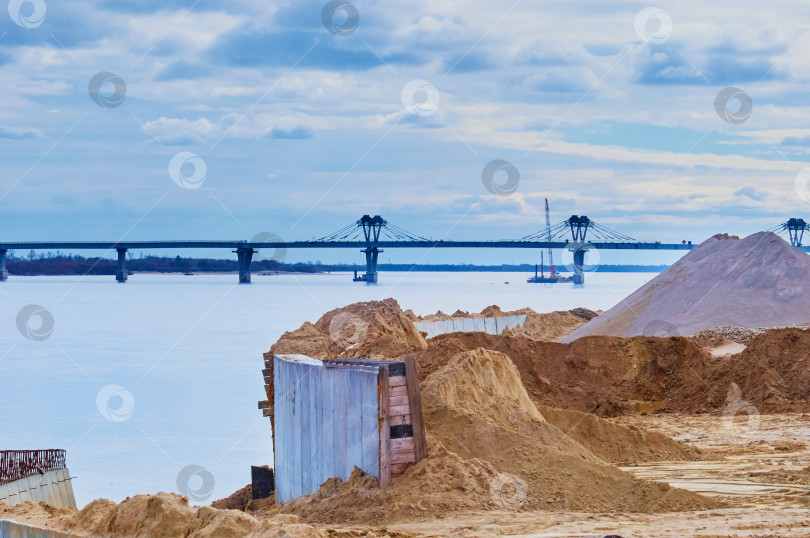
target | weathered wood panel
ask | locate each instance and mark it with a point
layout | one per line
(327, 422)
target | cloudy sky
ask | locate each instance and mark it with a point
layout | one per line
(186, 119)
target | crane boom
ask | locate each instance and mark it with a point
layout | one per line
(551, 269)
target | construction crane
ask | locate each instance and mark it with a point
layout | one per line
(553, 277)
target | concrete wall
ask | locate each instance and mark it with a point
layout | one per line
(457, 325)
(53, 487)
(327, 421)
(10, 529)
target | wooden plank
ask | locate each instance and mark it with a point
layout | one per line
(268, 380)
(401, 445)
(399, 468)
(398, 401)
(397, 420)
(400, 409)
(403, 457)
(295, 429)
(415, 402)
(268, 413)
(397, 381)
(342, 441)
(315, 428)
(279, 466)
(354, 450)
(395, 392)
(267, 372)
(265, 404)
(368, 423)
(384, 426)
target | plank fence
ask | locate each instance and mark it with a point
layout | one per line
(329, 417)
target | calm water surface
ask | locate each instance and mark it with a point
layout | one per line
(139, 380)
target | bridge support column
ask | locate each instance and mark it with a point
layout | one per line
(579, 264)
(121, 272)
(245, 256)
(372, 253)
(3, 270)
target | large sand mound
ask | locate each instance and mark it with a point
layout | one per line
(758, 281)
(491, 449)
(376, 329)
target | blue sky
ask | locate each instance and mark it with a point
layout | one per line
(606, 108)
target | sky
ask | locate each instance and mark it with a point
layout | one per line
(194, 119)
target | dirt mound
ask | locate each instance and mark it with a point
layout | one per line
(238, 500)
(477, 407)
(758, 281)
(604, 375)
(491, 449)
(437, 485)
(772, 373)
(549, 327)
(617, 443)
(167, 515)
(376, 329)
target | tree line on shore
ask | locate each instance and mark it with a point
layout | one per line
(48, 263)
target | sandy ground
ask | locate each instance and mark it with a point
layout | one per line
(761, 504)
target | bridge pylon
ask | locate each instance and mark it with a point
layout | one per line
(245, 256)
(3, 270)
(121, 271)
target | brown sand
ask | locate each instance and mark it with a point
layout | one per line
(758, 281)
(164, 515)
(485, 432)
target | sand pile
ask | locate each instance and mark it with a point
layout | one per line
(758, 281)
(166, 515)
(376, 329)
(772, 373)
(490, 448)
(604, 375)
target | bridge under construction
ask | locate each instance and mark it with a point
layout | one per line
(577, 234)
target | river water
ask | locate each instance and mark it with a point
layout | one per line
(152, 385)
